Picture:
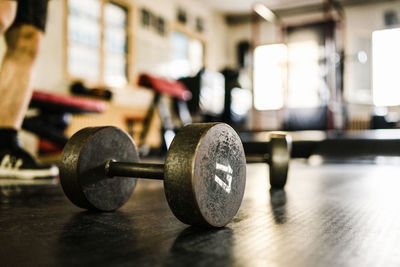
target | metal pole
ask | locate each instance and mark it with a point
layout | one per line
(135, 170)
(257, 158)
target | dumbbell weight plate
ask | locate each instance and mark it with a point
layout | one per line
(205, 174)
(279, 157)
(83, 160)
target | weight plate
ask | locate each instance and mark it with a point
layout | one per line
(205, 174)
(279, 157)
(82, 170)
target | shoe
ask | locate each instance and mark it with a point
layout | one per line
(16, 163)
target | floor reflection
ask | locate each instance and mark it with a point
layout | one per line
(90, 238)
(278, 201)
(210, 246)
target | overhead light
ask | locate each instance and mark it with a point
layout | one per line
(264, 12)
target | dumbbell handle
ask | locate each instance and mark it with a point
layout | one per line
(135, 170)
(156, 171)
(257, 158)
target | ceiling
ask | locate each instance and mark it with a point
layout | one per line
(244, 6)
(232, 7)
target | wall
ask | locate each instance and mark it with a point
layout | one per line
(217, 54)
(360, 21)
(150, 48)
(237, 33)
(50, 65)
(151, 51)
(264, 33)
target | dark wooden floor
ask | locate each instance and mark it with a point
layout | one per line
(330, 215)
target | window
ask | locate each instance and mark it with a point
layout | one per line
(187, 55)
(97, 41)
(269, 76)
(115, 44)
(385, 67)
(304, 80)
(290, 74)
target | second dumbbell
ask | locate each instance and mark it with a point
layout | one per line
(276, 154)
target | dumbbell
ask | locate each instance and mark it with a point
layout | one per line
(204, 172)
(277, 156)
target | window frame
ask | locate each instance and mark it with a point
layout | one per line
(191, 34)
(101, 81)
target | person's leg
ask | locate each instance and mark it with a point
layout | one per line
(23, 43)
(8, 10)
(23, 40)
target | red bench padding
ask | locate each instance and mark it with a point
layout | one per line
(172, 88)
(84, 104)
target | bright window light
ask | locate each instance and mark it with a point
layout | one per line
(303, 75)
(195, 55)
(187, 55)
(385, 67)
(269, 76)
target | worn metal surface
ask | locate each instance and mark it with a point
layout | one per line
(279, 158)
(82, 169)
(205, 174)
